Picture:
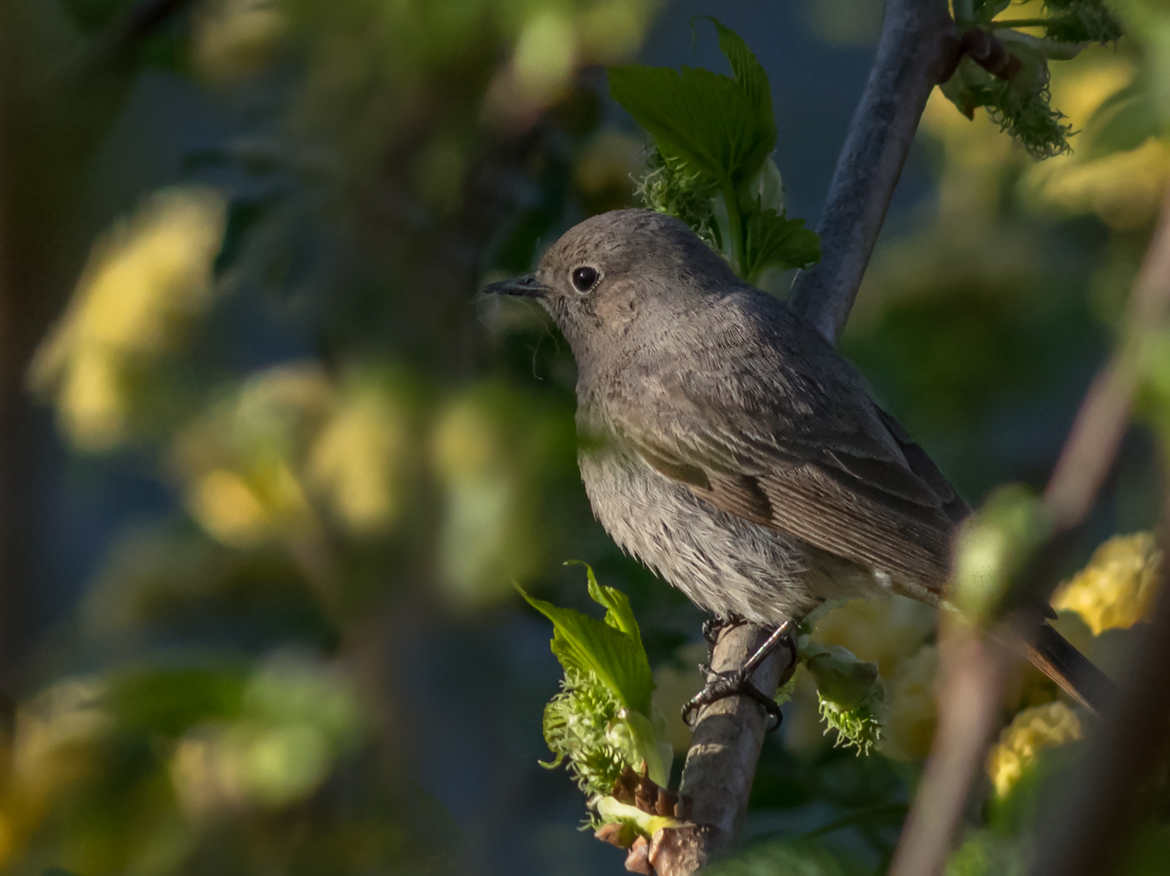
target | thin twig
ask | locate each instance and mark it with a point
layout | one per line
(917, 48)
(966, 722)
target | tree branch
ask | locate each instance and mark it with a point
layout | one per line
(979, 669)
(721, 762)
(918, 48)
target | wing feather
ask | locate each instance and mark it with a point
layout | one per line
(791, 440)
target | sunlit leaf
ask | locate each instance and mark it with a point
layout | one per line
(590, 645)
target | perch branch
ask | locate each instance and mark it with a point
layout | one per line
(721, 762)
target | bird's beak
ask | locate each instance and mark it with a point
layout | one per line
(526, 286)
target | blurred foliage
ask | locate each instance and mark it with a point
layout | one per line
(1030, 732)
(1008, 73)
(267, 335)
(316, 465)
(1117, 588)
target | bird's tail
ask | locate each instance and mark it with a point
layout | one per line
(1076, 675)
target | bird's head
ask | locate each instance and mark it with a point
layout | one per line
(617, 278)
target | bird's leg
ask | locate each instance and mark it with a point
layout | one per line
(738, 682)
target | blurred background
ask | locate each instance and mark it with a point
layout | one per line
(268, 467)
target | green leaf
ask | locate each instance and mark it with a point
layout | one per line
(849, 694)
(611, 810)
(753, 80)
(720, 127)
(618, 613)
(616, 658)
(699, 117)
(776, 240)
(652, 744)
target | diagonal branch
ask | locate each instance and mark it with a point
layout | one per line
(918, 48)
(976, 665)
(1089, 832)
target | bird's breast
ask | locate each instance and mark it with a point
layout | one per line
(724, 564)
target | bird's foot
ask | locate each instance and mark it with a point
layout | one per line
(729, 684)
(713, 626)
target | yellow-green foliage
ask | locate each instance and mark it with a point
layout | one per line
(1030, 732)
(1117, 587)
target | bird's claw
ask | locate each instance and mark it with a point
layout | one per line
(729, 684)
(713, 626)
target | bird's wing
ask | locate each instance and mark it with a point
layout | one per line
(792, 441)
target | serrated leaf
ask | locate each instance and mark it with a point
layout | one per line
(615, 658)
(776, 240)
(618, 613)
(698, 117)
(718, 126)
(753, 79)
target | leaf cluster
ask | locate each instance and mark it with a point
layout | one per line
(849, 694)
(602, 721)
(711, 165)
(1016, 95)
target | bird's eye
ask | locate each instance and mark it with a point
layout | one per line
(584, 278)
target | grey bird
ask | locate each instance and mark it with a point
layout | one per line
(728, 447)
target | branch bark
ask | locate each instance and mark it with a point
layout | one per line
(979, 669)
(721, 763)
(917, 49)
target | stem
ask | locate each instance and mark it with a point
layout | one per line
(735, 223)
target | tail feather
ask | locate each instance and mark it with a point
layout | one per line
(1073, 672)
